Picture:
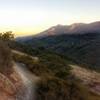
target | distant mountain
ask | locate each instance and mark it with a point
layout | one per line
(76, 28)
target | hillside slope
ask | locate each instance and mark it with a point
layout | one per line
(16, 82)
(83, 49)
(49, 80)
(88, 77)
(79, 42)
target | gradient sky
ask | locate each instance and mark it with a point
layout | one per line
(32, 16)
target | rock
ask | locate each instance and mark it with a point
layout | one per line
(6, 85)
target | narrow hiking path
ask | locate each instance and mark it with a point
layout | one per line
(29, 80)
(19, 85)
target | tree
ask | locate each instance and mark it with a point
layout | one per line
(0, 35)
(7, 35)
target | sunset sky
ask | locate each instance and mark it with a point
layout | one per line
(25, 17)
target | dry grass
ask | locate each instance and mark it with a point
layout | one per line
(90, 79)
(5, 58)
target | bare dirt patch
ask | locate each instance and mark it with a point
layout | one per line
(88, 77)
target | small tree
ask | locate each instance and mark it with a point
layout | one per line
(7, 36)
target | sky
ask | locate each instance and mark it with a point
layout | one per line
(25, 17)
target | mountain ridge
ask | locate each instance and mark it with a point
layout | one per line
(76, 28)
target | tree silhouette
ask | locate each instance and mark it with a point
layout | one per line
(7, 36)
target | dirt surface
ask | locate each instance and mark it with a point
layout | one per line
(88, 77)
(9, 86)
(5, 96)
(18, 85)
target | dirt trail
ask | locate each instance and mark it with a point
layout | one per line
(28, 80)
(20, 85)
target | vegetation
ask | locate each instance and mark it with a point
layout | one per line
(5, 59)
(7, 36)
(5, 53)
(83, 49)
(56, 82)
